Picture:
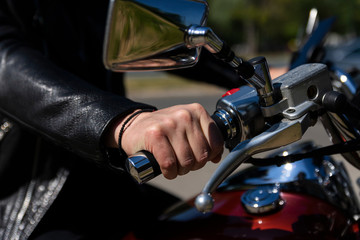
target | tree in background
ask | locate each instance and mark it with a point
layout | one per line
(253, 26)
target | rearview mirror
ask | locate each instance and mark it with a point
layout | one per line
(149, 34)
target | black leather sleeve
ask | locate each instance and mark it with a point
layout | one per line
(52, 102)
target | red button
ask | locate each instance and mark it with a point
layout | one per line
(230, 92)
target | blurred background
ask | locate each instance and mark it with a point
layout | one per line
(276, 30)
(258, 26)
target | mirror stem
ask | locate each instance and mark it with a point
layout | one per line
(198, 36)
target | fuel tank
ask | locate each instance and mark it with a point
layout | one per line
(308, 199)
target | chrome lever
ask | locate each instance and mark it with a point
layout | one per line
(280, 134)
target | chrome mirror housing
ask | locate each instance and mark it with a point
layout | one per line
(146, 35)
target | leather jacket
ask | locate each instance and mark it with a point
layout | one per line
(56, 102)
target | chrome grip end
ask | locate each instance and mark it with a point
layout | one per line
(142, 166)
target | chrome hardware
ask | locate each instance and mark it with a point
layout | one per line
(262, 199)
(244, 110)
(295, 88)
(322, 178)
(301, 89)
(339, 130)
(149, 35)
(294, 106)
(204, 202)
(278, 135)
(141, 167)
(261, 80)
(228, 122)
(198, 36)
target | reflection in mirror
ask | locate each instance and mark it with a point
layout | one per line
(149, 34)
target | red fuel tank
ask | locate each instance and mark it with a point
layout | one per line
(300, 217)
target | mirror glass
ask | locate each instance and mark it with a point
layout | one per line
(149, 34)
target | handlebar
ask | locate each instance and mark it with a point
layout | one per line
(300, 89)
(305, 92)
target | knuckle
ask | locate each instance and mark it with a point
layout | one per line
(167, 164)
(155, 132)
(204, 156)
(168, 168)
(187, 162)
(169, 123)
(198, 108)
(184, 115)
(201, 160)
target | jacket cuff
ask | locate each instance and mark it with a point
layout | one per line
(115, 158)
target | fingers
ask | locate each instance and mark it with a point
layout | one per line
(182, 138)
(197, 141)
(169, 143)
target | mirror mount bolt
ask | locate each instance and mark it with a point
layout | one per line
(261, 80)
(198, 36)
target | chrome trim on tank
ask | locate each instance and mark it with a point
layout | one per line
(323, 178)
(262, 199)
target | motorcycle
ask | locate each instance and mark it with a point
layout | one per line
(298, 191)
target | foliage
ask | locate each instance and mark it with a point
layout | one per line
(273, 25)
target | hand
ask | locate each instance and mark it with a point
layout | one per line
(182, 138)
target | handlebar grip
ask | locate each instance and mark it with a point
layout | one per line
(143, 166)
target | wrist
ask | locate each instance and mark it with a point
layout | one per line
(126, 123)
(112, 134)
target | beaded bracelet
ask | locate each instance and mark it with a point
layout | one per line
(122, 130)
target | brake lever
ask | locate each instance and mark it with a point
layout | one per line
(278, 135)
